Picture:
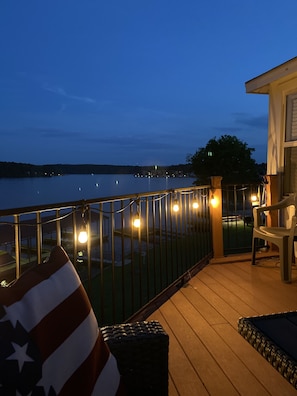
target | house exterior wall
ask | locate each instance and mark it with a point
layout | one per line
(276, 144)
(278, 91)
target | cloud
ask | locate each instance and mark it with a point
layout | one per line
(228, 130)
(60, 91)
(252, 121)
(35, 133)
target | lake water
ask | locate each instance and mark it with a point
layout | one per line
(23, 192)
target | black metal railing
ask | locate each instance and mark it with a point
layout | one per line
(237, 209)
(123, 267)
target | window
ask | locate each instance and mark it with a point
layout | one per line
(291, 119)
(290, 174)
(290, 153)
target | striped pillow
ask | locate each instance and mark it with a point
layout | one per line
(50, 343)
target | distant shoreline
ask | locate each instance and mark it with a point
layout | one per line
(17, 170)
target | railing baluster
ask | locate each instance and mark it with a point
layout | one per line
(17, 244)
(89, 245)
(101, 264)
(58, 228)
(123, 284)
(113, 261)
(39, 237)
(147, 256)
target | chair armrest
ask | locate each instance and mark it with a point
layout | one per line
(141, 350)
(287, 201)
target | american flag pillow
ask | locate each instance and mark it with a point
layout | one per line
(50, 343)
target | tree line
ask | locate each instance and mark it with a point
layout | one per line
(226, 156)
(16, 169)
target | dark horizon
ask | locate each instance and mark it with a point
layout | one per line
(15, 169)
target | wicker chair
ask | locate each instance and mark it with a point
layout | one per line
(141, 350)
(282, 237)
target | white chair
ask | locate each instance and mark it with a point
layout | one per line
(282, 236)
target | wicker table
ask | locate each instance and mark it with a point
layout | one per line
(141, 350)
(275, 337)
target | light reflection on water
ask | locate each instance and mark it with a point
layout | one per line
(23, 192)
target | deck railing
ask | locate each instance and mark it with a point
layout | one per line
(237, 215)
(125, 268)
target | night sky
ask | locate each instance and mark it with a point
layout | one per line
(135, 82)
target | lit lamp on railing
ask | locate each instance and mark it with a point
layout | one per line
(214, 201)
(255, 200)
(175, 206)
(136, 218)
(83, 233)
(136, 221)
(195, 203)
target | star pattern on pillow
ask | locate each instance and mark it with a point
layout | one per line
(20, 361)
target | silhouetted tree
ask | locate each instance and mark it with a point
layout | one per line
(227, 157)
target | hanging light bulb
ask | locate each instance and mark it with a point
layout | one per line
(195, 203)
(175, 206)
(136, 218)
(213, 201)
(136, 221)
(254, 200)
(83, 233)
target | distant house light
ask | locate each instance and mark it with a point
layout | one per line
(209, 153)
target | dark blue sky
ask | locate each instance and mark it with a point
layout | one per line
(135, 81)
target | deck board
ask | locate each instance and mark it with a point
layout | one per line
(207, 355)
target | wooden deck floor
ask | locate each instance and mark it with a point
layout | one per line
(207, 356)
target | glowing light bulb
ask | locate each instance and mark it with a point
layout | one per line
(175, 206)
(136, 222)
(255, 200)
(83, 236)
(195, 205)
(214, 201)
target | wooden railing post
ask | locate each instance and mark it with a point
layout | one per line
(273, 196)
(216, 216)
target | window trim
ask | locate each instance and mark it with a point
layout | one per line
(291, 120)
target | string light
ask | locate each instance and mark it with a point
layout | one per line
(254, 200)
(136, 221)
(214, 201)
(82, 236)
(136, 218)
(175, 206)
(195, 203)
(83, 233)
